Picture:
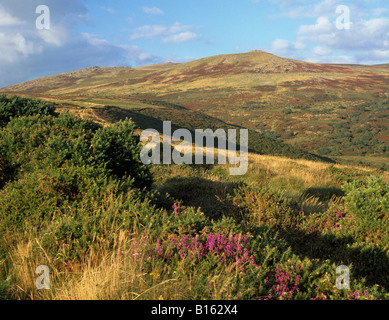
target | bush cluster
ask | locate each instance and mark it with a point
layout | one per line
(16, 106)
(50, 162)
(369, 203)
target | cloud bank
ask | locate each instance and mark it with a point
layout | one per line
(28, 53)
(366, 42)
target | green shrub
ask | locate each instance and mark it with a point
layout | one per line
(33, 142)
(118, 150)
(368, 200)
(260, 206)
(369, 203)
(31, 202)
(67, 188)
(93, 222)
(7, 170)
(17, 107)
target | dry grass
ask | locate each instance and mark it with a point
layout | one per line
(310, 172)
(25, 259)
(117, 274)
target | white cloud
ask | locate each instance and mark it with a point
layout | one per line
(342, 59)
(326, 7)
(6, 19)
(363, 35)
(322, 26)
(57, 35)
(149, 31)
(379, 54)
(306, 8)
(367, 39)
(287, 49)
(139, 56)
(297, 9)
(178, 27)
(279, 45)
(322, 51)
(27, 53)
(175, 33)
(152, 10)
(180, 37)
(15, 46)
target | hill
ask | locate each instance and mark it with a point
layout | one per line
(337, 111)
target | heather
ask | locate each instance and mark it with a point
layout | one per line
(75, 197)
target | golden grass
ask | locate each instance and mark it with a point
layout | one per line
(117, 274)
(308, 171)
(24, 261)
(311, 172)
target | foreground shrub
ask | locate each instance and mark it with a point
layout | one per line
(118, 150)
(35, 198)
(368, 200)
(36, 142)
(17, 107)
(261, 206)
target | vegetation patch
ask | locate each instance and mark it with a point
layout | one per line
(75, 197)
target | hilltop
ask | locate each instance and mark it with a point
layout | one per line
(337, 111)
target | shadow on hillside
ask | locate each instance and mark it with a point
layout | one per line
(144, 122)
(257, 142)
(369, 263)
(210, 196)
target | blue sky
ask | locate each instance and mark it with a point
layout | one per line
(133, 33)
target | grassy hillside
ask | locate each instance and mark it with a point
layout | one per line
(74, 197)
(337, 111)
(183, 118)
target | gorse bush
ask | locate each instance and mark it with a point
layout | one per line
(50, 164)
(37, 141)
(368, 200)
(259, 205)
(36, 197)
(117, 149)
(17, 107)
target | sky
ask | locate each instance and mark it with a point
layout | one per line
(75, 34)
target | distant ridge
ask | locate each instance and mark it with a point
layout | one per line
(254, 61)
(338, 111)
